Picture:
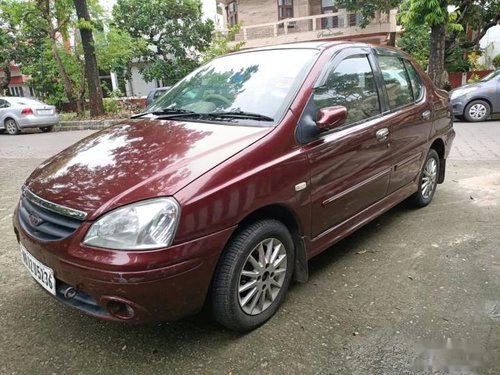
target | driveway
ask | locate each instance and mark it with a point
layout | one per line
(413, 292)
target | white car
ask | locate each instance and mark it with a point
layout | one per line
(18, 113)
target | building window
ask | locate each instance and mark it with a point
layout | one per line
(16, 91)
(285, 9)
(329, 6)
(232, 13)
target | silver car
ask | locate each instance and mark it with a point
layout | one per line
(19, 113)
(477, 101)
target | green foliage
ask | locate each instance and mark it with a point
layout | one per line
(111, 106)
(174, 30)
(473, 78)
(367, 8)
(415, 41)
(222, 45)
(496, 61)
(116, 50)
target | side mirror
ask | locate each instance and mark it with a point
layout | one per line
(331, 117)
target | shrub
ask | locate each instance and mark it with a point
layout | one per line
(111, 106)
(496, 61)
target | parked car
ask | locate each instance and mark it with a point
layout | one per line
(231, 181)
(18, 113)
(155, 94)
(477, 101)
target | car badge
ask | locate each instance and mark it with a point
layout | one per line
(35, 220)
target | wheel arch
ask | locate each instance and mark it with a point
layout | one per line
(439, 147)
(288, 217)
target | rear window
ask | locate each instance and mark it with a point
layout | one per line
(397, 81)
(25, 101)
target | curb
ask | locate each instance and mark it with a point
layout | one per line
(85, 124)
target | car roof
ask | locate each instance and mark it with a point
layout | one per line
(323, 45)
(20, 100)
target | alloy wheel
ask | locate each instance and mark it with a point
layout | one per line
(11, 127)
(262, 276)
(429, 178)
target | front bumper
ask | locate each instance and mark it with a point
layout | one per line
(140, 287)
(458, 106)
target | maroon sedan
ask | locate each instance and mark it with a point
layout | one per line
(224, 188)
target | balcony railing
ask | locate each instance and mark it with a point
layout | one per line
(320, 26)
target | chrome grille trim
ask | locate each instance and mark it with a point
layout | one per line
(54, 207)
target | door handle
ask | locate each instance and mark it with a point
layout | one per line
(426, 115)
(382, 134)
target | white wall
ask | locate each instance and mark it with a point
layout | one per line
(137, 86)
(490, 44)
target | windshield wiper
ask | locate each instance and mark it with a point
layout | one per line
(165, 111)
(169, 113)
(240, 115)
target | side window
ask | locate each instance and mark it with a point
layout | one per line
(396, 80)
(416, 81)
(351, 85)
(4, 104)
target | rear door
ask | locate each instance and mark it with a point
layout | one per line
(350, 166)
(409, 116)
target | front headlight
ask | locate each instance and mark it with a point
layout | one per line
(459, 92)
(144, 225)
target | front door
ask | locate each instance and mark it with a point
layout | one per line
(351, 165)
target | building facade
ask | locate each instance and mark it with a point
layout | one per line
(267, 22)
(18, 84)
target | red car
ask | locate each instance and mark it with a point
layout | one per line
(232, 180)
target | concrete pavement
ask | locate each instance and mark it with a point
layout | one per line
(413, 292)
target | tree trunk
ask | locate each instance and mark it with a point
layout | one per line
(437, 55)
(67, 84)
(91, 68)
(4, 83)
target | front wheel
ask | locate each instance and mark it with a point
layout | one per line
(477, 110)
(427, 181)
(253, 275)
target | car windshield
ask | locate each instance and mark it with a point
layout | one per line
(256, 85)
(493, 74)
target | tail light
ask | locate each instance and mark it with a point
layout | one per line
(27, 111)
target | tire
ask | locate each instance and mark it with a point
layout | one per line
(242, 309)
(427, 180)
(46, 129)
(11, 127)
(477, 110)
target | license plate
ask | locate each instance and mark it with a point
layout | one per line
(40, 272)
(44, 111)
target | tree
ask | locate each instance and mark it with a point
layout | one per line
(91, 68)
(116, 50)
(222, 44)
(174, 31)
(6, 58)
(446, 29)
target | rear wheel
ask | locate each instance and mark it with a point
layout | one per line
(477, 110)
(253, 275)
(46, 129)
(427, 181)
(11, 126)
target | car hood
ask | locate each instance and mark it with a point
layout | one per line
(135, 160)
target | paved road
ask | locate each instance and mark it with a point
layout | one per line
(414, 290)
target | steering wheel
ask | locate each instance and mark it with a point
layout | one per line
(217, 97)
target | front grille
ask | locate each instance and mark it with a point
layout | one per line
(43, 223)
